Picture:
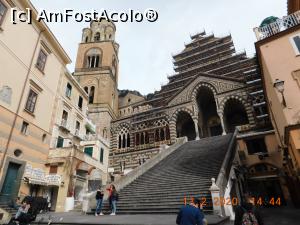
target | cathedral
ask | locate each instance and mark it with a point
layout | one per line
(213, 90)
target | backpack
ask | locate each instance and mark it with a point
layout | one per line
(249, 218)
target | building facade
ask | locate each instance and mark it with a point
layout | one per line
(278, 48)
(48, 145)
(30, 74)
(78, 157)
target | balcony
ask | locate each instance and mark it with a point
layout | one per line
(90, 126)
(59, 155)
(277, 26)
(78, 135)
(64, 125)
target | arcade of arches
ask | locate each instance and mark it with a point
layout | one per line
(211, 121)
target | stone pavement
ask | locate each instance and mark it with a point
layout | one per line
(272, 216)
(149, 219)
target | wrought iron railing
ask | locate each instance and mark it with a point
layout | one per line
(277, 26)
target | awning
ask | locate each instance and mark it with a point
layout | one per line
(36, 181)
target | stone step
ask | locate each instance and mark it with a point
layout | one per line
(186, 172)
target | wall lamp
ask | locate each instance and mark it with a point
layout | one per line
(279, 85)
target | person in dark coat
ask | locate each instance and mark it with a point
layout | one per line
(248, 211)
(190, 214)
(99, 200)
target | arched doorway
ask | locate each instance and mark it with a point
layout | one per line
(234, 115)
(185, 126)
(209, 121)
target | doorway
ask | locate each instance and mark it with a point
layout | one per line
(267, 189)
(185, 126)
(10, 185)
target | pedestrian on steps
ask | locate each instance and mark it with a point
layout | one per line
(247, 213)
(99, 200)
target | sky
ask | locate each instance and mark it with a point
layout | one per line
(146, 48)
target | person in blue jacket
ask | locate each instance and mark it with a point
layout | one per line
(190, 214)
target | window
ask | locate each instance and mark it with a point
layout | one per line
(68, 90)
(53, 169)
(65, 115)
(77, 127)
(128, 140)
(44, 138)
(24, 128)
(101, 155)
(88, 151)
(86, 89)
(93, 61)
(60, 142)
(3, 10)
(91, 95)
(18, 152)
(256, 145)
(92, 58)
(80, 100)
(295, 41)
(120, 142)
(97, 36)
(41, 61)
(31, 101)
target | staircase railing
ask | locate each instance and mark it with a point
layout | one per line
(219, 188)
(134, 174)
(222, 179)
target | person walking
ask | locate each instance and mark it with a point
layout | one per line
(190, 214)
(247, 213)
(99, 201)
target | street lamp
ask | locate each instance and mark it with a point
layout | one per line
(279, 85)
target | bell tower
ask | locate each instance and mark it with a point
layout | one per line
(96, 70)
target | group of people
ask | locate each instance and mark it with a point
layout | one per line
(245, 214)
(113, 197)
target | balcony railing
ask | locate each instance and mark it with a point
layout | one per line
(78, 135)
(277, 26)
(64, 124)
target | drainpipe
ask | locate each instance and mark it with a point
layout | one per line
(19, 104)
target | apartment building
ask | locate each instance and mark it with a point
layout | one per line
(31, 62)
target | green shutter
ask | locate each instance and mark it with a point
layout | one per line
(89, 151)
(60, 142)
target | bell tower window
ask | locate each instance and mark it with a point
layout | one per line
(97, 36)
(93, 58)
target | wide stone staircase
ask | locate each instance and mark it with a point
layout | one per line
(186, 172)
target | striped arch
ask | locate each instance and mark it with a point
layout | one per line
(173, 119)
(235, 97)
(243, 101)
(193, 94)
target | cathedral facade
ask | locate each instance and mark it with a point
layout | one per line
(213, 90)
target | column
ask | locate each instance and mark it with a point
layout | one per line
(196, 129)
(215, 197)
(222, 122)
